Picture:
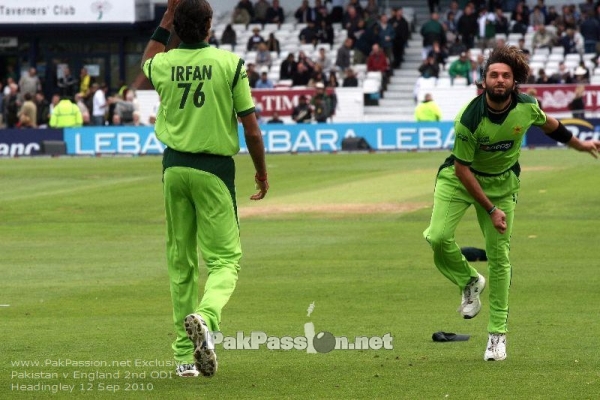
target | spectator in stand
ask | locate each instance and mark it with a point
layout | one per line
(316, 77)
(439, 55)
(212, 39)
(323, 104)
(273, 44)
(85, 112)
(552, 16)
(350, 79)
(43, 109)
(308, 35)
(288, 67)
(53, 103)
(254, 40)
(582, 74)
(455, 9)
(363, 44)
(533, 93)
(468, 26)
(570, 42)
(537, 17)
(28, 112)
(577, 105)
(457, 47)
(428, 110)
(240, 16)
(332, 80)
(12, 104)
(30, 83)
(522, 10)
(568, 18)
(275, 14)
(260, 11)
(304, 59)
(563, 75)
(263, 57)
(137, 119)
(325, 34)
(67, 84)
(343, 59)
(377, 61)
(85, 80)
(386, 36)
(100, 107)
(461, 67)
(432, 31)
(125, 108)
(264, 82)
(304, 13)
(302, 112)
(401, 36)
(371, 10)
(302, 75)
(429, 68)
(253, 76)
(521, 45)
(501, 22)
(590, 31)
(66, 114)
(275, 119)
(543, 78)
(587, 8)
(450, 27)
(487, 28)
(247, 5)
(543, 38)
(519, 26)
(229, 36)
(351, 22)
(323, 60)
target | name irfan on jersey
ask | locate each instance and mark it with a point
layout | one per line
(191, 73)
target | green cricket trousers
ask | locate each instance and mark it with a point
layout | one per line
(201, 216)
(451, 201)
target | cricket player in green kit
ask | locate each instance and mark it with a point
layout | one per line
(483, 171)
(203, 90)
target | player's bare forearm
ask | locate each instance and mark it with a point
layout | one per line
(470, 183)
(154, 47)
(256, 148)
(588, 146)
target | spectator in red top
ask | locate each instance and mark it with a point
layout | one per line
(377, 61)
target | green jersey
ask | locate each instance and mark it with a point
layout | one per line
(202, 92)
(489, 147)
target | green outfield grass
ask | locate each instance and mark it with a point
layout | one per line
(83, 272)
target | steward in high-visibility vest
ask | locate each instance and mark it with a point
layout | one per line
(428, 110)
(66, 114)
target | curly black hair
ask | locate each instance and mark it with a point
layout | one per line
(192, 20)
(514, 58)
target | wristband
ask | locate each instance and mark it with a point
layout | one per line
(161, 35)
(561, 134)
(260, 178)
(491, 210)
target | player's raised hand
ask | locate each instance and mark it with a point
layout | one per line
(172, 4)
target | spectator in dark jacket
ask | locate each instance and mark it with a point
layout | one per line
(275, 14)
(288, 67)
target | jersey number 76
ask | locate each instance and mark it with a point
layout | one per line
(198, 98)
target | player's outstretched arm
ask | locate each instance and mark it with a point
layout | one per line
(558, 132)
(256, 148)
(158, 42)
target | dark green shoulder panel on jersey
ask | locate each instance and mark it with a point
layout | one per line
(246, 112)
(238, 71)
(473, 113)
(524, 98)
(150, 71)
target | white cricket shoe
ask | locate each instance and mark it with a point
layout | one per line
(204, 348)
(187, 370)
(496, 347)
(471, 305)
